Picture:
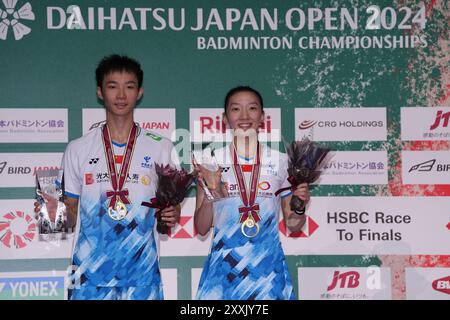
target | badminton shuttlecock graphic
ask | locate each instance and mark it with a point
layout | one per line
(10, 5)
(3, 14)
(19, 29)
(11, 17)
(4, 24)
(24, 12)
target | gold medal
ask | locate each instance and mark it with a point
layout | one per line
(118, 212)
(117, 209)
(249, 218)
(250, 224)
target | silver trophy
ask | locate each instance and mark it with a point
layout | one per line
(52, 217)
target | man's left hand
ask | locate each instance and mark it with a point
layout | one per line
(170, 216)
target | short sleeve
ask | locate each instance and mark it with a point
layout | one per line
(283, 175)
(170, 155)
(72, 174)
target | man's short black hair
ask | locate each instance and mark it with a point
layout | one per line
(118, 63)
(242, 89)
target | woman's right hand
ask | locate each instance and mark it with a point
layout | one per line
(212, 179)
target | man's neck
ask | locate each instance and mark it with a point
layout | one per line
(119, 128)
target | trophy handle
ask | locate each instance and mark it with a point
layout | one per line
(202, 181)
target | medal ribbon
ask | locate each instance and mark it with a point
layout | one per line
(249, 208)
(118, 191)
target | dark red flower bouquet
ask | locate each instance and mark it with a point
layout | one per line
(173, 185)
(306, 158)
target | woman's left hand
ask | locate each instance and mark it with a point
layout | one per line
(302, 191)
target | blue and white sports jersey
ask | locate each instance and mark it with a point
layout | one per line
(111, 253)
(242, 268)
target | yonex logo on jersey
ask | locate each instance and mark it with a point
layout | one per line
(93, 161)
(11, 17)
(88, 178)
(153, 136)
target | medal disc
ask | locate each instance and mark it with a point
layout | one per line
(118, 212)
(250, 228)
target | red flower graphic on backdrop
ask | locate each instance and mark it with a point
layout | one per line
(17, 229)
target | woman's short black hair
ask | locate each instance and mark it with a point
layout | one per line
(114, 63)
(242, 89)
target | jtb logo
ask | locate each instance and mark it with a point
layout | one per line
(348, 279)
(351, 279)
(441, 117)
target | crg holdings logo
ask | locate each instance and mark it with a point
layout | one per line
(306, 124)
(10, 17)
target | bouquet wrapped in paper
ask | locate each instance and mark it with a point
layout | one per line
(173, 185)
(306, 159)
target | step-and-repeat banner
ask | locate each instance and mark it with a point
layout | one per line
(370, 79)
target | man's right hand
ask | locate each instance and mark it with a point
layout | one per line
(51, 205)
